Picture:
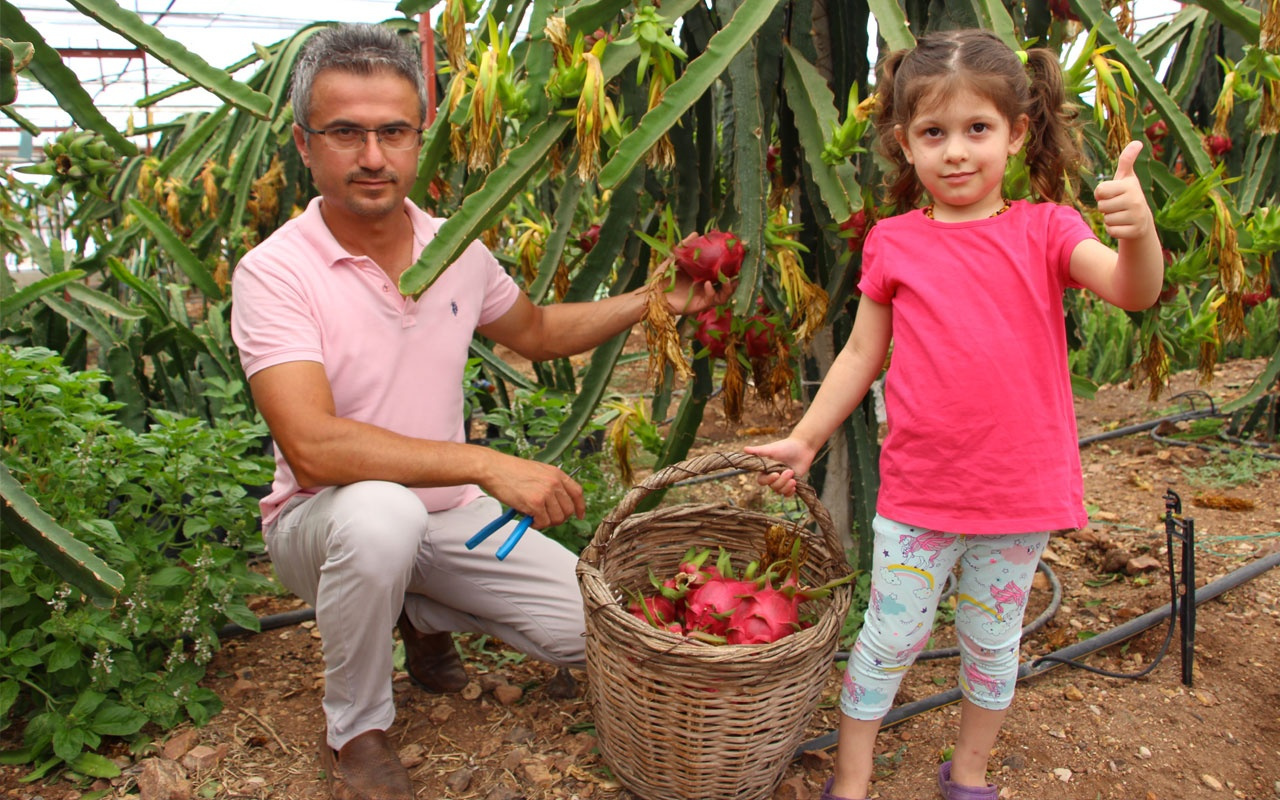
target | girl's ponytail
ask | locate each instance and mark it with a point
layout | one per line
(902, 188)
(1053, 154)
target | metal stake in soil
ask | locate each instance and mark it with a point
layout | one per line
(1184, 530)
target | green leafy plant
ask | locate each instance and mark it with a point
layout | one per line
(1232, 467)
(523, 428)
(168, 509)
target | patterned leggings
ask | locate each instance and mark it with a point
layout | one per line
(909, 572)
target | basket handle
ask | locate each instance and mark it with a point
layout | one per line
(706, 465)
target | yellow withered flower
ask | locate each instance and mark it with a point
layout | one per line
(1226, 103)
(1125, 20)
(1208, 360)
(530, 247)
(208, 178)
(734, 390)
(486, 110)
(806, 300)
(863, 111)
(662, 338)
(454, 22)
(1269, 27)
(1155, 365)
(457, 133)
(147, 183)
(663, 153)
(1224, 247)
(619, 435)
(171, 191)
(266, 190)
(557, 32)
(1109, 99)
(222, 274)
(590, 118)
(1269, 116)
(1269, 41)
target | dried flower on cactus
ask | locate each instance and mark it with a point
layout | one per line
(454, 23)
(485, 112)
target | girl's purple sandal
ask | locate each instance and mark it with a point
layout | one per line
(952, 791)
(826, 792)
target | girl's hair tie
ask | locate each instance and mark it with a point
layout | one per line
(1022, 56)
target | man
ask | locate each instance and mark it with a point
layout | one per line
(375, 489)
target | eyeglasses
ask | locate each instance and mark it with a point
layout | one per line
(347, 137)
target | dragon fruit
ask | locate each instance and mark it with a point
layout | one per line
(715, 604)
(709, 607)
(764, 616)
(659, 612)
(715, 325)
(713, 256)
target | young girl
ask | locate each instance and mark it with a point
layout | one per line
(980, 461)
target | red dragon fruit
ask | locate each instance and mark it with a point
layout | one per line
(709, 607)
(764, 616)
(854, 230)
(657, 611)
(714, 327)
(714, 256)
(759, 337)
(589, 238)
(1217, 146)
(712, 603)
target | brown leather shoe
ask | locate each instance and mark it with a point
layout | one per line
(431, 660)
(366, 768)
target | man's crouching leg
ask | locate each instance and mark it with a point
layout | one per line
(530, 601)
(350, 551)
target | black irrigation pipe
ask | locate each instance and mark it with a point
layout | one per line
(1208, 448)
(268, 623)
(1193, 413)
(1069, 653)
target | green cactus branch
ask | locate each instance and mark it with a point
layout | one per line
(72, 559)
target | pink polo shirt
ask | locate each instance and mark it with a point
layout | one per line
(981, 424)
(392, 361)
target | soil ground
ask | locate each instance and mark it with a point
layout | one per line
(1070, 734)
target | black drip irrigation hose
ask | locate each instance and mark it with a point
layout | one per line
(1151, 425)
(1069, 653)
(282, 620)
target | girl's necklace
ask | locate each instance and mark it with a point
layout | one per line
(928, 210)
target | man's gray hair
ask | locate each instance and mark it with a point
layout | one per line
(359, 50)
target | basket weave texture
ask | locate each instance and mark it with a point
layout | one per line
(679, 719)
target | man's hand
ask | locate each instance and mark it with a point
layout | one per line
(687, 297)
(540, 490)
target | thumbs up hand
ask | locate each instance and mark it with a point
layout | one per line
(1122, 201)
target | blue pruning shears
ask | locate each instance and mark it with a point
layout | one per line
(512, 540)
(506, 547)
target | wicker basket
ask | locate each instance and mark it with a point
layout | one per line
(678, 718)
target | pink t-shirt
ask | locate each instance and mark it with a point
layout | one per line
(981, 424)
(392, 361)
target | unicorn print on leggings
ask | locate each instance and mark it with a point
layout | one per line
(932, 542)
(1010, 593)
(909, 654)
(975, 678)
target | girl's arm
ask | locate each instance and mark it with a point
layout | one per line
(1131, 276)
(855, 368)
